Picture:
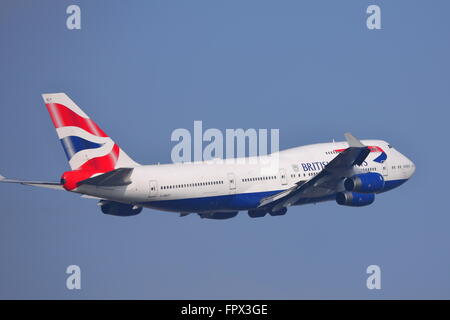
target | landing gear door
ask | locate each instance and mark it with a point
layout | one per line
(232, 182)
(153, 189)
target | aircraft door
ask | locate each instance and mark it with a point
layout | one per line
(384, 169)
(153, 189)
(232, 182)
(283, 177)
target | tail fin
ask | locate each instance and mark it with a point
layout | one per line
(86, 146)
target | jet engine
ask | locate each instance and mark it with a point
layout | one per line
(365, 183)
(119, 209)
(218, 215)
(257, 213)
(354, 199)
(280, 212)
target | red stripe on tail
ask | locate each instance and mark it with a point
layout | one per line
(91, 167)
(64, 117)
(102, 164)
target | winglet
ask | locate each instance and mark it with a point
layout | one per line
(352, 141)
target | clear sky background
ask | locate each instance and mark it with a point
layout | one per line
(144, 68)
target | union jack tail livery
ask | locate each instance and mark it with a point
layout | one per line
(87, 147)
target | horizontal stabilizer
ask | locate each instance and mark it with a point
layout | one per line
(42, 184)
(114, 178)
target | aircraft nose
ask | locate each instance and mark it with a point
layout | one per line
(411, 168)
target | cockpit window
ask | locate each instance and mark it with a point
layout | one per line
(389, 146)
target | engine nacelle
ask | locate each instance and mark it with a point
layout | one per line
(257, 213)
(218, 215)
(280, 212)
(119, 209)
(354, 199)
(365, 183)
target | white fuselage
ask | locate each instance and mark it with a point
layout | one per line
(239, 184)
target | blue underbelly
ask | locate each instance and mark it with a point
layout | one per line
(229, 202)
(238, 202)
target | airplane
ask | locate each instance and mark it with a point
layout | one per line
(349, 172)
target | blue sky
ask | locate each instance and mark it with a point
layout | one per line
(144, 68)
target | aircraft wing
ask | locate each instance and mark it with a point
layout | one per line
(43, 184)
(328, 178)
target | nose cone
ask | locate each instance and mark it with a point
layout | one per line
(410, 168)
(413, 169)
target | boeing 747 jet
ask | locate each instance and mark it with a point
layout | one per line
(351, 173)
